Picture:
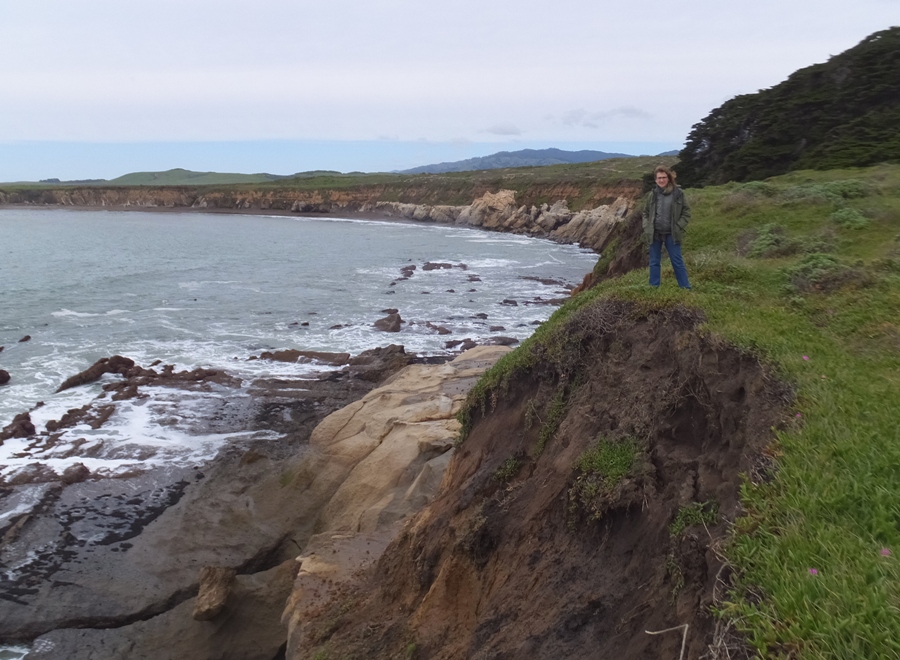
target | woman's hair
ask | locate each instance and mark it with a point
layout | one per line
(671, 174)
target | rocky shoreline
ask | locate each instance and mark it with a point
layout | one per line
(108, 566)
(494, 211)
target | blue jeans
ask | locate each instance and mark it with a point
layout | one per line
(674, 252)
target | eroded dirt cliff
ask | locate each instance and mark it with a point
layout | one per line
(586, 506)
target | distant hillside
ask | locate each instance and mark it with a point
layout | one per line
(845, 112)
(522, 158)
(181, 177)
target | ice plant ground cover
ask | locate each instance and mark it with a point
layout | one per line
(815, 573)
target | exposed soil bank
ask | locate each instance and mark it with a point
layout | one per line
(524, 555)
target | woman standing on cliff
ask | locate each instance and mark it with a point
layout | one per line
(666, 214)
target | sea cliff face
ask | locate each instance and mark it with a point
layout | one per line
(496, 211)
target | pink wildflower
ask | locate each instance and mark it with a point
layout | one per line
(885, 552)
(814, 571)
(799, 415)
(806, 357)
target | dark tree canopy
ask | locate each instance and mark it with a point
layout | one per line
(845, 112)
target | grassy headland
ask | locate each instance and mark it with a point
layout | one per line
(804, 271)
(584, 185)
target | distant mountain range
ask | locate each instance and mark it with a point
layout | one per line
(522, 158)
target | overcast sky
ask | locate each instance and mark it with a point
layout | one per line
(90, 87)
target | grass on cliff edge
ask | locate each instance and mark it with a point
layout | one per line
(818, 548)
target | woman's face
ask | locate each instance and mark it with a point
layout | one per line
(662, 179)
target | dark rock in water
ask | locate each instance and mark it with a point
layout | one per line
(4, 377)
(87, 414)
(112, 365)
(441, 330)
(75, 474)
(1, 349)
(336, 327)
(501, 341)
(25, 338)
(450, 291)
(536, 322)
(33, 473)
(20, 427)
(293, 355)
(546, 280)
(467, 344)
(436, 265)
(462, 266)
(509, 301)
(453, 343)
(425, 293)
(390, 310)
(474, 278)
(215, 587)
(305, 323)
(497, 328)
(407, 271)
(377, 363)
(390, 323)
(480, 315)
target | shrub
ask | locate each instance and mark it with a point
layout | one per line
(849, 218)
(771, 241)
(600, 470)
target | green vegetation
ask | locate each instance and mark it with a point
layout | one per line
(601, 469)
(817, 553)
(508, 470)
(695, 513)
(842, 113)
(180, 177)
(584, 185)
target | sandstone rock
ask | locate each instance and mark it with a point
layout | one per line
(215, 587)
(4, 377)
(386, 453)
(390, 323)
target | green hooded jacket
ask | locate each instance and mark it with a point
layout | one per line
(681, 215)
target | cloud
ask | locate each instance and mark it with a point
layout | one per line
(503, 129)
(581, 117)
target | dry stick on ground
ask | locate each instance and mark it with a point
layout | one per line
(683, 639)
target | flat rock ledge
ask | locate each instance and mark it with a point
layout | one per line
(339, 501)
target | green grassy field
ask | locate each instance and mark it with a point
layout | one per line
(804, 270)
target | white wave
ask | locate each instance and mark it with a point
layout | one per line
(69, 312)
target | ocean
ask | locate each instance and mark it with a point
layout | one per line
(212, 290)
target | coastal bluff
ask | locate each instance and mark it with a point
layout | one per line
(542, 212)
(234, 534)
